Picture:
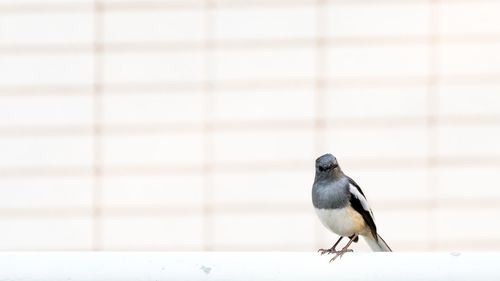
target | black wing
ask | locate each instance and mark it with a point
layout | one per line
(351, 181)
(361, 206)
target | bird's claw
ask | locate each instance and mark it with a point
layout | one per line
(340, 253)
(327, 251)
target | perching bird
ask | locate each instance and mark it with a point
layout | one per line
(342, 207)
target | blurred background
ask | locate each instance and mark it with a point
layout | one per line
(194, 125)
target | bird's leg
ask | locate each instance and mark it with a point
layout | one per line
(345, 249)
(355, 239)
(332, 249)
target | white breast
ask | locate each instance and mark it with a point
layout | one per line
(344, 222)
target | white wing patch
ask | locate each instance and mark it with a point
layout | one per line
(354, 191)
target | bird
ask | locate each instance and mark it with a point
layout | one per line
(342, 208)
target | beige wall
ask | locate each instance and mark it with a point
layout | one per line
(192, 125)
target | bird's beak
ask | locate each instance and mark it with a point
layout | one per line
(333, 166)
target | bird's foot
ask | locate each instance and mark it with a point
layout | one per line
(340, 253)
(328, 251)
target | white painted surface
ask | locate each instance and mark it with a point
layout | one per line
(110, 266)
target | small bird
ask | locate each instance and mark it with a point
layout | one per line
(342, 207)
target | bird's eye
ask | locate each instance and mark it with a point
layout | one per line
(327, 167)
(322, 168)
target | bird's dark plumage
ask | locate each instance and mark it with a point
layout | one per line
(358, 206)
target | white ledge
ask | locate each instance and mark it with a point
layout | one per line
(289, 266)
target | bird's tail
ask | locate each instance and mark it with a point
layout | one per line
(378, 245)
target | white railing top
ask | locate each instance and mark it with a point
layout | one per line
(289, 266)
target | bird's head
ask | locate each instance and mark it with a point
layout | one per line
(326, 164)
